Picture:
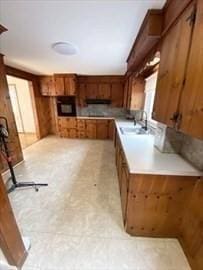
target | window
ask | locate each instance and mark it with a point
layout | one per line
(150, 88)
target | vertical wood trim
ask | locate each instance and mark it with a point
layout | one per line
(10, 239)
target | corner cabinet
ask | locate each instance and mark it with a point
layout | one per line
(179, 95)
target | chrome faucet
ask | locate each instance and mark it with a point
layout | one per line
(145, 127)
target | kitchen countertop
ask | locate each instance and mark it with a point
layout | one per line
(143, 158)
(89, 117)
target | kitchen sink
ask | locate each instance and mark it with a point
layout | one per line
(133, 131)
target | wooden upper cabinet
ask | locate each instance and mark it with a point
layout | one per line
(117, 92)
(125, 94)
(91, 90)
(47, 85)
(134, 93)
(59, 85)
(148, 36)
(191, 106)
(104, 91)
(171, 75)
(70, 85)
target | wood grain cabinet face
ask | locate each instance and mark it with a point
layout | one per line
(124, 187)
(91, 90)
(191, 106)
(102, 129)
(59, 85)
(156, 204)
(47, 86)
(71, 127)
(171, 76)
(104, 91)
(134, 93)
(91, 129)
(70, 85)
(117, 93)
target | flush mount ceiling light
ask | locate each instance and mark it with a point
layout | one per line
(65, 48)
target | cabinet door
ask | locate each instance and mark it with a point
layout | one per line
(59, 86)
(47, 86)
(111, 129)
(125, 98)
(70, 85)
(191, 106)
(137, 93)
(82, 94)
(91, 90)
(71, 123)
(44, 86)
(104, 91)
(102, 129)
(124, 188)
(174, 55)
(117, 94)
(91, 129)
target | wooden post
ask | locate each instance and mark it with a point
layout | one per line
(10, 239)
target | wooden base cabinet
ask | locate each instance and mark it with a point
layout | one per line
(156, 204)
(72, 127)
(163, 206)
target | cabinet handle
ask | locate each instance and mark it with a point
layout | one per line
(178, 121)
(174, 117)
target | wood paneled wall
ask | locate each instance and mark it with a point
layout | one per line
(10, 239)
(42, 110)
(6, 111)
(41, 104)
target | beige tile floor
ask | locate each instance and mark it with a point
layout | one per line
(76, 223)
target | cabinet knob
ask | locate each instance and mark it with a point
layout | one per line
(174, 116)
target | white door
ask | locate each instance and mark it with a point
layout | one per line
(16, 107)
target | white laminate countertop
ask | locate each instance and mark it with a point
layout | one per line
(143, 158)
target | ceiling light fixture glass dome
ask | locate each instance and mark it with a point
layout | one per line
(65, 48)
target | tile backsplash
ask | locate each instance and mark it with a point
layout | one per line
(171, 141)
(192, 150)
(101, 110)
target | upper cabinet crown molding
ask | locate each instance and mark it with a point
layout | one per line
(147, 38)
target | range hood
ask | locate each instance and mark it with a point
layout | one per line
(98, 101)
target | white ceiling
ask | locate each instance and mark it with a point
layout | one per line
(103, 30)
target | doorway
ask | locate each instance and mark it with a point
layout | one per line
(21, 101)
